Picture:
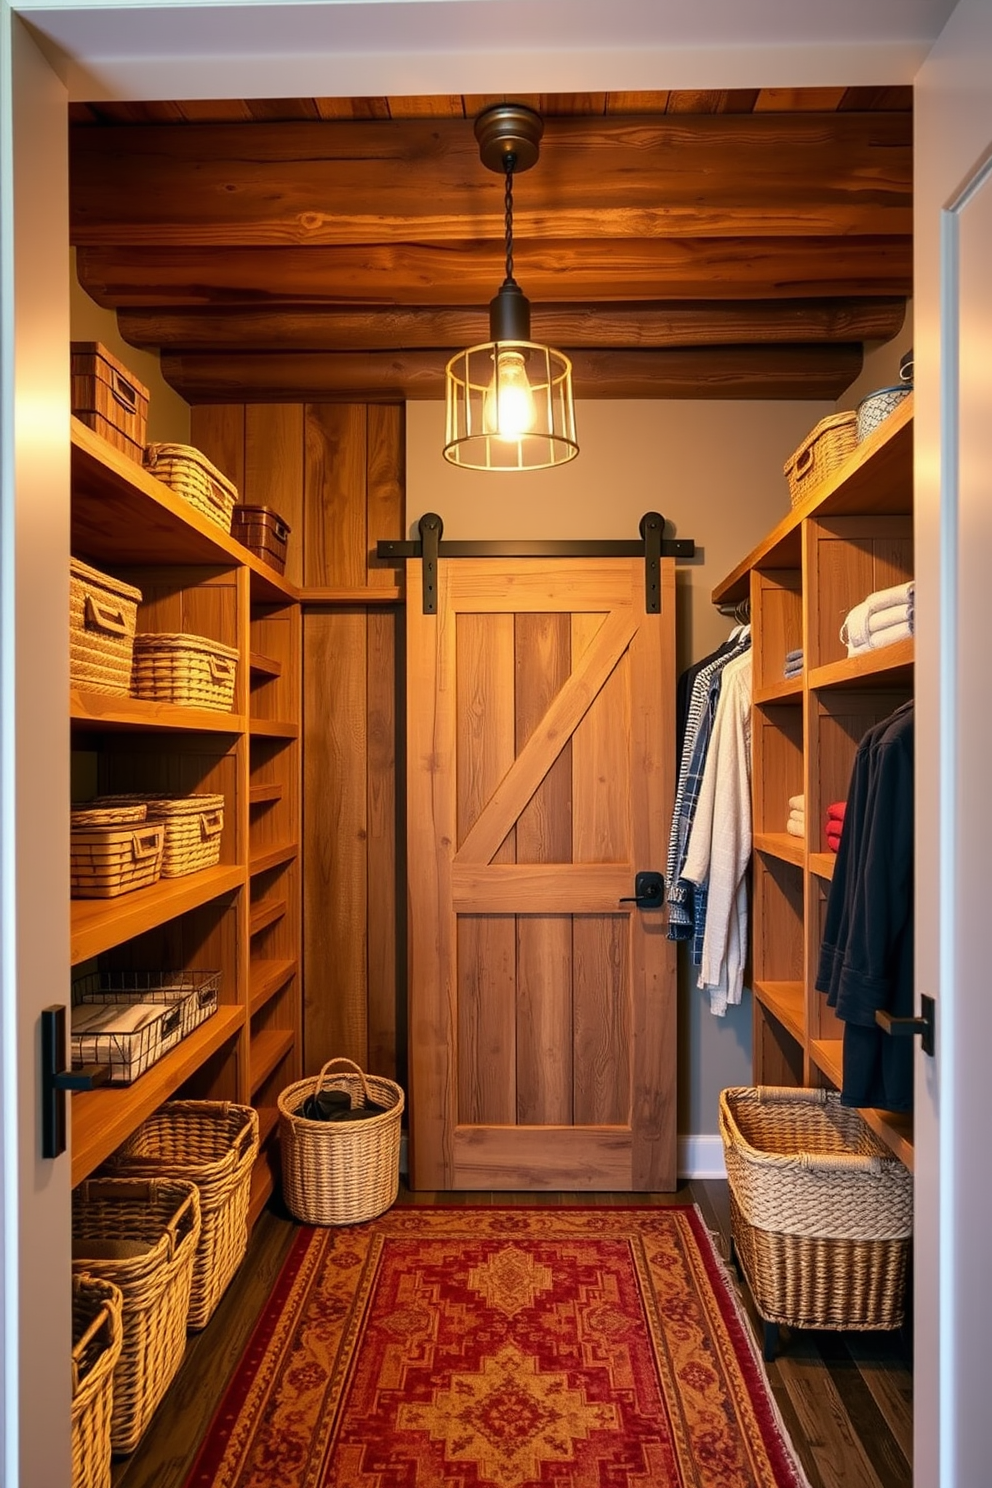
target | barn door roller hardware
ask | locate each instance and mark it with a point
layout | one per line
(652, 548)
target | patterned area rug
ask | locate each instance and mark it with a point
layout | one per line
(466, 1347)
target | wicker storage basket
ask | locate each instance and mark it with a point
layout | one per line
(103, 613)
(126, 814)
(190, 670)
(825, 448)
(107, 397)
(96, 1348)
(821, 1212)
(263, 532)
(195, 992)
(214, 1145)
(192, 826)
(107, 861)
(191, 475)
(142, 1236)
(340, 1173)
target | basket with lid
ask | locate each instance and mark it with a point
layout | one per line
(821, 1211)
(141, 1235)
(96, 1348)
(103, 614)
(214, 1145)
(189, 670)
(107, 397)
(341, 1172)
(193, 477)
(192, 826)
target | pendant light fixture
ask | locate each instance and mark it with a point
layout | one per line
(508, 401)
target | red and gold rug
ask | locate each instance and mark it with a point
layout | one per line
(501, 1348)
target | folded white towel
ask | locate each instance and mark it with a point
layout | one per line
(855, 630)
(795, 829)
(882, 638)
(891, 615)
(797, 803)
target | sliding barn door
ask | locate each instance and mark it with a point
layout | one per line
(540, 764)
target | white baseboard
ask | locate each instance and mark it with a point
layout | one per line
(701, 1157)
(698, 1157)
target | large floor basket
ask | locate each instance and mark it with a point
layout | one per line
(341, 1173)
(821, 1211)
(214, 1145)
(96, 1348)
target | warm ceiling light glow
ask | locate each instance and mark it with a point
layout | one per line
(508, 401)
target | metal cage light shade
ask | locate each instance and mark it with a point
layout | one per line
(508, 401)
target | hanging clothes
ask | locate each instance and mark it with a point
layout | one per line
(866, 955)
(686, 908)
(719, 847)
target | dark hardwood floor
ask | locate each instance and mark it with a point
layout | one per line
(846, 1399)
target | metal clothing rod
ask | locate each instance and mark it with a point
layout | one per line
(652, 547)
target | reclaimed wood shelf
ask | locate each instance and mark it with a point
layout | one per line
(273, 728)
(268, 1049)
(781, 845)
(99, 924)
(264, 915)
(785, 1001)
(266, 979)
(104, 1118)
(106, 711)
(890, 666)
(262, 795)
(264, 666)
(273, 857)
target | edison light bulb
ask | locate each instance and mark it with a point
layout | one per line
(509, 403)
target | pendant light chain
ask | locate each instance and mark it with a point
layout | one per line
(509, 162)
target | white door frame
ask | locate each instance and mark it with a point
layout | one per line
(148, 49)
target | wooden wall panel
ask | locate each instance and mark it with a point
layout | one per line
(544, 835)
(335, 517)
(218, 431)
(602, 1021)
(335, 835)
(386, 488)
(274, 471)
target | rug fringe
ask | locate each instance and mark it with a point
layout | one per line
(729, 1278)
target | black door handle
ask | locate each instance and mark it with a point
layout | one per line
(649, 890)
(925, 1024)
(56, 1080)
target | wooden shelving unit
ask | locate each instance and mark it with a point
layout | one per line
(849, 537)
(242, 916)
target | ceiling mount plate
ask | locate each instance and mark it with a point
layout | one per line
(509, 129)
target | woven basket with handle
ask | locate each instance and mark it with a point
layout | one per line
(191, 475)
(141, 1235)
(192, 826)
(341, 1173)
(103, 614)
(96, 1347)
(823, 451)
(214, 1145)
(821, 1212)
(190, 670)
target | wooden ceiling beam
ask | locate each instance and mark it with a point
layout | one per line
(385, 181)
(470, 273)
(693, 323)
(821, 372)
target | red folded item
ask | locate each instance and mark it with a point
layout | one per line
(836, 811)
(833, 841)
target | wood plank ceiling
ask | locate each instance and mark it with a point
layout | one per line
(677, 245)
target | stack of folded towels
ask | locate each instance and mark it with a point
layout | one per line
(794, 663)
(797, 817)
(834, 823)
(884, 617)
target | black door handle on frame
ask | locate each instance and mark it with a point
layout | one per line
(649, 890)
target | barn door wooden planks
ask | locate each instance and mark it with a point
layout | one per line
(540, 779)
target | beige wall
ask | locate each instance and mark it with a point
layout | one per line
(714, 470)
(168, 414)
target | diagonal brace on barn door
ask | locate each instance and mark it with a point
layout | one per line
(546, 743)
(653, 547)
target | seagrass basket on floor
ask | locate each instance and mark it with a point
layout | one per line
(821, 1211)
(190, 670)
(214, 1145)
(340, 1173)
(96, 1348)
(824, 449)
(141, 1235)
(103, 614)
(192, 476)
(192, 826)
